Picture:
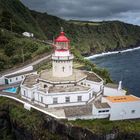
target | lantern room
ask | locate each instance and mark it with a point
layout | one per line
(62, 42)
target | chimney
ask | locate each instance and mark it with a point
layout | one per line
(120, 85)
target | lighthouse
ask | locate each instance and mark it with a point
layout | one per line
(62, 59)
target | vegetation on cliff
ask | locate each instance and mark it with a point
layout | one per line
(16, 123)
(87, 37)
(91, 37)
(14, 16)
(89, 66)
(102, 126)
(16, 49)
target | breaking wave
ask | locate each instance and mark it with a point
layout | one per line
(110, 53)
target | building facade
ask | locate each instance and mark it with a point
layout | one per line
(78, 94)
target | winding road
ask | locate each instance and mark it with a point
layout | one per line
(11, 71)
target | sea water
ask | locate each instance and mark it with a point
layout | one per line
(122, 66)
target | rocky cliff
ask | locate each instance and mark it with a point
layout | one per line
(17, 123)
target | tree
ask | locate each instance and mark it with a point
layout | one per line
(6, 20)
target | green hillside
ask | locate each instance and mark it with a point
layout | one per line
(88, 37)
(91, 37)
(16, 17)
(16, 49)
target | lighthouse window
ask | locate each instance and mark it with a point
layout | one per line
(63, 68)
(102, 111)
(55, 100)
(79, 98)
(41, 99)
(67, 99)
(24, 93)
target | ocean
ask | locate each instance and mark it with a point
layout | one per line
(123, 66)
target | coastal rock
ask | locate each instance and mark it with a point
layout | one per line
(17, 123)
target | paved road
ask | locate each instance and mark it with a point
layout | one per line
(28, 65)
(31, 64)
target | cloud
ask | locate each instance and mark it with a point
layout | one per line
(125, 10)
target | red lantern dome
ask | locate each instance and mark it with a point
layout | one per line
(62, 42)
(62, 38)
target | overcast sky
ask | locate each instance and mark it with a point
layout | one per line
(94, 10)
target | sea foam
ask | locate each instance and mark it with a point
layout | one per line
(110, 53)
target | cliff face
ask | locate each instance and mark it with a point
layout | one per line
(88, 37)
(14, 16)
(17, 123)
(91, 37)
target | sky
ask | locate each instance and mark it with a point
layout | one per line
(93, 10)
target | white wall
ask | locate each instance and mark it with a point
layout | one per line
(86, 117)
(2, 80)
(63, 53)
(42, 84)
(19, 78)
(58, 68)
(28, 93)
(113, 92)
(96, 86)
(97, 114)
(15, 79)
(48, 98)
(123, 110)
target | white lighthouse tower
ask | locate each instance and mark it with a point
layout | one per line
(62, 59)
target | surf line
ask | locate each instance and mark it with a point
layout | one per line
(110, 53)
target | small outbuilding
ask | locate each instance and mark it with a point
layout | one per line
(27, 34)
(123, 107)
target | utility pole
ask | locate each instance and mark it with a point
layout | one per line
(11, 25)
(22, 53)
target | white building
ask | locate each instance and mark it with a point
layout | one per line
(113, 90)
(77, 94)
(123, 107)
(16, 76)
(27, 34)
(63, 85)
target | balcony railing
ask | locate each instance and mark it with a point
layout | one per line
(62, 57)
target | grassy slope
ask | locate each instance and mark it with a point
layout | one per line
(91, 37)
(86, 37)
(105, 126)
(14, 14)
(24, 121)
(33, 122)
(16, 49)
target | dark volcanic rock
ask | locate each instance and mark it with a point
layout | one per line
(47, 128)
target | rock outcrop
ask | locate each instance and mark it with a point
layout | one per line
(17, 123)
